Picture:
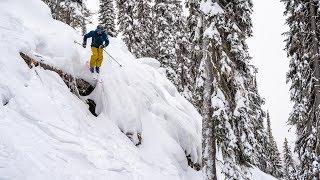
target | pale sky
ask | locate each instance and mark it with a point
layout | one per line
(266, 48)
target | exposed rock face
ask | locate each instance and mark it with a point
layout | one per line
(77, 86)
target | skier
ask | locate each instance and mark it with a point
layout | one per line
(99, 41)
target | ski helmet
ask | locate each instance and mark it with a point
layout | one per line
(100, 27)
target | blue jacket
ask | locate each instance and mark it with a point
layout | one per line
(97, 39)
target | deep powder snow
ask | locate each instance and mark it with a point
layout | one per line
(46, 132)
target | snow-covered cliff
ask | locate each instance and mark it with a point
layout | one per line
(46, 132)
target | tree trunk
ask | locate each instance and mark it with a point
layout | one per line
(315, 54)
(208, 129)
(317, 77)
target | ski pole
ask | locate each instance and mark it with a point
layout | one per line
(104, 51)
(112, 58)
(77, 43)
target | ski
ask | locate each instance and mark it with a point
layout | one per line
(96, 78)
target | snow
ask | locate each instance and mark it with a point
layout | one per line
(258, 175)
(211, 8)
(150, 61)
(253, 173)
(46, 132)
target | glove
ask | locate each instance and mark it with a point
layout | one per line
(84, 45)
(102, 46)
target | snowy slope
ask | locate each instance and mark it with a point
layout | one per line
(46, 132)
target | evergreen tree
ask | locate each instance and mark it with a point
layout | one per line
(144, 26)
(182, 50)
(289, 169)
(274, 165)
(126, 22)
(72, 12)
(261, 158)
(107, 16)
(232, 111)
(304, 75)
(136, 26)
(54, 6)
(158, 32)
(193, 20)
(194, 33)
(165, 40)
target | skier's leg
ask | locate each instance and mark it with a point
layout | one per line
(94, 58)
(100, 59)
(91, 69)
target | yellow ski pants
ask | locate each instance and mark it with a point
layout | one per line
(96, 57)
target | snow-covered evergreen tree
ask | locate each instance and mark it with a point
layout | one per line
(145, 29)
(158, 31)
(289, 168)
(304, 75)
(195, 33)
(261, 158)
(193, 26)
(169, 42)
(126, 22)
(72, 12)
(235, 113)
(274, 165)
(182, 51)
(107, 16)
(52, 4)
(165, 40)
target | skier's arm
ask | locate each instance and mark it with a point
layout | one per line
(106, 41)
(85, 37)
